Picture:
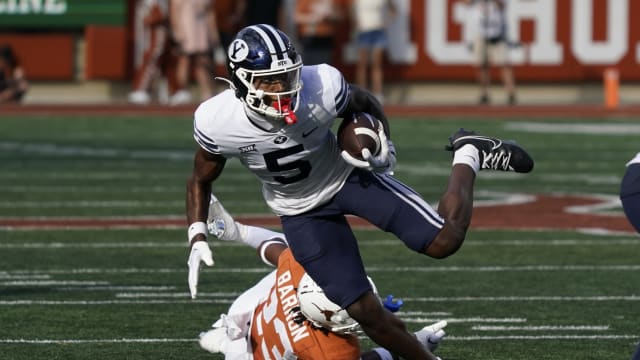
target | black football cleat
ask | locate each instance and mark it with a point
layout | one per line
(495, 154)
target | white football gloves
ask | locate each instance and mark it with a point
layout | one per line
(200, 252)
(432, 335)
(384, 162)
(221, 225)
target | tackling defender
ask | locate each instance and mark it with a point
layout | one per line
(276, 119)
(286, 315)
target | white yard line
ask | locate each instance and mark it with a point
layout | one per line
(386, 269)
(541, 337)
(88, 204)
(119, 288)
(174, 295)
(541, 328)
(448, 338)
(91, 341)
(52, 283)
(99, 245)
(111, 302)
(175, 300)
(507, 268)
(364, 243)
(598, 129)
(526, 298)
(463, 320)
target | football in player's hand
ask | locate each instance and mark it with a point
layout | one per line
(359, 132)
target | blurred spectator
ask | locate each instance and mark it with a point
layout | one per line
(13, 84)
(230, 17)
(265, 12)
(371, 20)
(490, 46)
(195, 31)
(155, 59)
(316, 23)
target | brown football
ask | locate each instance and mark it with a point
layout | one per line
(359, 132)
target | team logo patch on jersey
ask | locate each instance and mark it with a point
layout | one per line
(280, 139)
(246, 149)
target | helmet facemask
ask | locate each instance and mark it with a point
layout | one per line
(278, 105)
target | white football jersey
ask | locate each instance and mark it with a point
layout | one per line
(299, 165)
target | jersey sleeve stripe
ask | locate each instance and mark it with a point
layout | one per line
(204, 141)
(342, 97)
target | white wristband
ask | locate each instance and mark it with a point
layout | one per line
(198, 227)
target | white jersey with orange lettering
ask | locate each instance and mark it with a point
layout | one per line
(299, 165)
(261, 323)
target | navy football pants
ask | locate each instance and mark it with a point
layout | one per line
(322, 241)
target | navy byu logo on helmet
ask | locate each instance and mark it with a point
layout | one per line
(238, 50)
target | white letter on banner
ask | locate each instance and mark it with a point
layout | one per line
(610, 51)
(438, 48)
(544, 48)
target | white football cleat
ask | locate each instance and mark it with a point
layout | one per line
(139, 97)
(181, 97)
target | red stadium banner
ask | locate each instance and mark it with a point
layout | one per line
(557, 40)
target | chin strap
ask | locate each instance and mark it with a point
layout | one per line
(284, 106)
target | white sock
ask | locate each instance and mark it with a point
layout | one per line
(254, 236)
(467, 154)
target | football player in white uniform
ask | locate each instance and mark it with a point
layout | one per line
(276, 119)
(273, 320)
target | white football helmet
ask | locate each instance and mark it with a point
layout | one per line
(322, 312)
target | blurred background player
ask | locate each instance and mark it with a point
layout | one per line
(317, 328)
(154, 34)
(232, 15)
(630, 197)
(265, 12)
(230, 18)
(371, 20)
(194, 28)
(13, 83)
(316, 25)
(490, 46)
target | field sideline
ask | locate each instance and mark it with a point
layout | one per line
(94, 252)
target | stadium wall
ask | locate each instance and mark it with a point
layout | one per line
(553, 40)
